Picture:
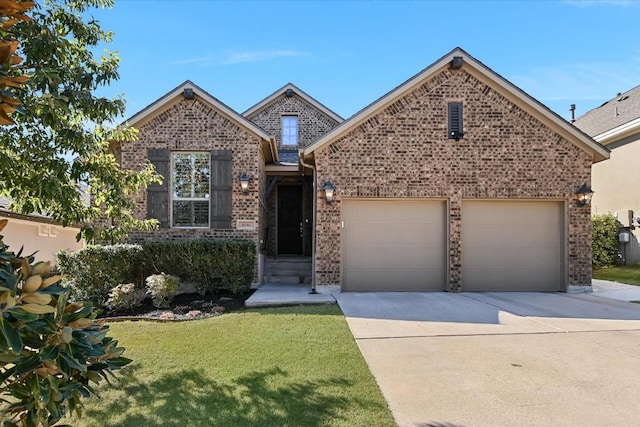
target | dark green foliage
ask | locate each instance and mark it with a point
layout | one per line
(604, 247)
(51, 351)
(93, 271)
(211, 265)
(62, 135)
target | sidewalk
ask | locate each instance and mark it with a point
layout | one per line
(615, 290)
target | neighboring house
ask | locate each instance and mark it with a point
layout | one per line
(616, 125)
(36, 232)
(456, 180)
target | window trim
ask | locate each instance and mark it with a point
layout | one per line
(282, 119)
(189, 199)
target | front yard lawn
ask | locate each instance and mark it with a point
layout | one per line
(295, 366)
(621, 273)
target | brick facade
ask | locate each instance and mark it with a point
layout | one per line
(403, 151)
(312, 123)
(192, 125)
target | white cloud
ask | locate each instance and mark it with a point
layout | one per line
(260, 56)
(202, 59)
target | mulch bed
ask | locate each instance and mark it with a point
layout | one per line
(183, 307)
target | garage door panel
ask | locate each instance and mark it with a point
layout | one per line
(394, 245)
(512, 246)
(526, 280)
(482, 257)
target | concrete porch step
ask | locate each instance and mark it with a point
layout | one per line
(288, 270)
(287, 279)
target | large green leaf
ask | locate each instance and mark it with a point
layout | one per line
(11, 336)
(22, 315)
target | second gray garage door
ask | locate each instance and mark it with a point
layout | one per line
(394, 245)
(512, 246)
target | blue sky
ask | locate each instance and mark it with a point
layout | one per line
(346, 54)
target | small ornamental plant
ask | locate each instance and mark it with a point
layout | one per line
(125, 295)
(52, 351)
(162, 288)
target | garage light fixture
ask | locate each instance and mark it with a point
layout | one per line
(328, 191)
(244, 183)
(583, 195)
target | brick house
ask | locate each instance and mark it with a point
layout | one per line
(456, 180)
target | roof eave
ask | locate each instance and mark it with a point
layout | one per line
(619, 132)
(157, 106)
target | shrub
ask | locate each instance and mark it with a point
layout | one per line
(212, 265)
(51, 351)
(604, 235)
(125, 296)
(92, 272)
(162, 288)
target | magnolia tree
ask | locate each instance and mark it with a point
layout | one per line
(58, 139)
(52, 351)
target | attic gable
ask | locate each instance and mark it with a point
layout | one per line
(459, 59)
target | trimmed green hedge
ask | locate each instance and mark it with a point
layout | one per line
(211, 265)
(604, 244)
(93, 271)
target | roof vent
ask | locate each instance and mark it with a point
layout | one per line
(622, 98)
(289, 93)
(188, 93)
(456, 63)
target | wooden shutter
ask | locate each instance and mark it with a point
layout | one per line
(455, 120)
(221, 182)
(158, 194)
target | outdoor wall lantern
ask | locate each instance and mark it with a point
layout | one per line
(244, 183)
(583, 195)
(328, 191)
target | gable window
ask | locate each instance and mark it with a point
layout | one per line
(289, 130)
(190, 182)
(454, 128)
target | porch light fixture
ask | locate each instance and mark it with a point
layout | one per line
(244, 183)
(583, 195)
(328, 191)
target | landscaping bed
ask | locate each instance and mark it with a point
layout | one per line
(183, 307)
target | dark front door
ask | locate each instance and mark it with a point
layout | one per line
(290, 220)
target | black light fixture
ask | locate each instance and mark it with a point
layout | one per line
(328, 191)
(583, 195)
(244, 183)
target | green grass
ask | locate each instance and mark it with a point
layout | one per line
(296, 366)
(621, 273)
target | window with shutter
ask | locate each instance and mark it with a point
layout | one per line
(455, 129)
(190, 192)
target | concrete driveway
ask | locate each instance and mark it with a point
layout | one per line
(501, 359)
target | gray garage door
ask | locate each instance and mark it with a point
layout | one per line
(512, 246)
(394, 245)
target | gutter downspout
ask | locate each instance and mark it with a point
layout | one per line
(315, 208)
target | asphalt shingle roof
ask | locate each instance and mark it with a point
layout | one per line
(288, 157)
(613, 113)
